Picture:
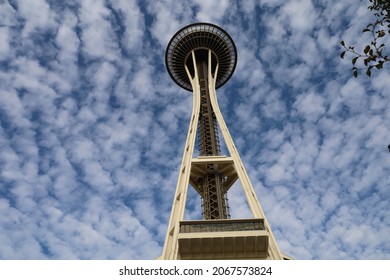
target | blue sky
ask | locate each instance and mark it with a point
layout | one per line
(92, 128)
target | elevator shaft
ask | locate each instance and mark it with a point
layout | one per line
(214, 198)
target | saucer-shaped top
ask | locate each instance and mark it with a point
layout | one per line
(200, 36)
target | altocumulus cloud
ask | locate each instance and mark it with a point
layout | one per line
(92, 128)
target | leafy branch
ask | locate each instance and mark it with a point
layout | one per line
(373, 54)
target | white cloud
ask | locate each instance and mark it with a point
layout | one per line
(211, 11)
(4, 43)
(7, 15)
(311, 106)
(300, 14)
(68, 40)
(354, 96)
(133, 21)
(37, 15)
(169, 17)
(97, 36)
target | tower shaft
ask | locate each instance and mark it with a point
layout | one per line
(213, 192)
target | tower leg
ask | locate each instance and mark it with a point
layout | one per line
(250, 194)
(170, 251)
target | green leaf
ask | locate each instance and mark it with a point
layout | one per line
(366, 30)
(381, 34)
(354, 60)
(379, 65)
(368, 72)
(342, 43)
(367, 49)
(355, 73)
(342, 54)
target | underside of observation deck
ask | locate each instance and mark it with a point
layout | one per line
(223, 239)
(200, 36)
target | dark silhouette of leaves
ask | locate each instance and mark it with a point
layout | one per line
(372, 55)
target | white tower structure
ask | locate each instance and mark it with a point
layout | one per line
(200, 58)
